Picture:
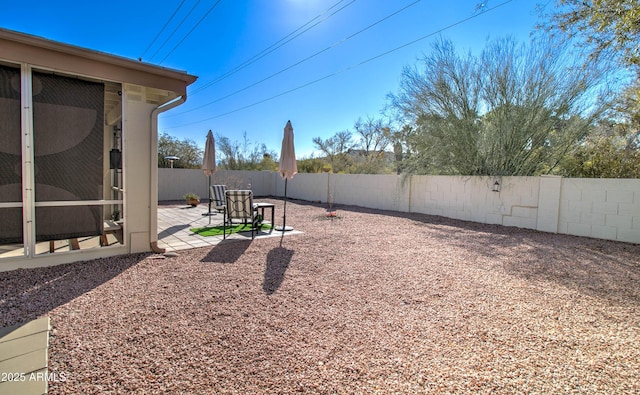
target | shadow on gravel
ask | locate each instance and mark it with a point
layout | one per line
(278, 260)
(26, 294)
(608, 270)
(227, 251)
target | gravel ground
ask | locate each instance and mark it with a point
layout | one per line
(369, 302)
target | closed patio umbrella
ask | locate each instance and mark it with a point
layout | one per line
(209, 165)
(287, 168)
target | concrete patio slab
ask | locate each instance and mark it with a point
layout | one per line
(175, 222)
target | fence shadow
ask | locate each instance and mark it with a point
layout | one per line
(604, 269)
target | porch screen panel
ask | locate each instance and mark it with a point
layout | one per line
(68, 133)
(10, 155)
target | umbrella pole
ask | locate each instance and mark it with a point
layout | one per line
(209, 213)
(284, 215)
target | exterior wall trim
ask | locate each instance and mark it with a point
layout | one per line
(38, 51)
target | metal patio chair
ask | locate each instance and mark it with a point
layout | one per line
(239, 209)
(217, 194)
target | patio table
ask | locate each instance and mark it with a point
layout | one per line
(261, 206)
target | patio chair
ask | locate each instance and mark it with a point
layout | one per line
(239, 209)
(217, 194)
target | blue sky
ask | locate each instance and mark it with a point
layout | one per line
(345, 75)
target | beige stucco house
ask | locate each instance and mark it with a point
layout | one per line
(78, 151)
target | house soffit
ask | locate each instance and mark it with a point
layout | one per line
(37, 51)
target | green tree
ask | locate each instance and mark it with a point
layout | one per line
(187, 150)
(610, 30)
(516, 109)
(604, 27)
(228, 153)
(612, 152)
(312, 165)
(336, 150)
(374, 136)
(628, 107)
(234, 155)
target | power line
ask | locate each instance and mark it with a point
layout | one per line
(337, 43)
(191, 31)
(304, 25)
(161, 30)
(175, 30)
(350, 67)
(275, 45)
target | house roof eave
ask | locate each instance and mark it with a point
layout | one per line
(21, 47)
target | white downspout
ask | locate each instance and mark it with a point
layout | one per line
(153, 207)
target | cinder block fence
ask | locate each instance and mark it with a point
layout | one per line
(599, 208)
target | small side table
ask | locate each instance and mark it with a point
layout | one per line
(261, 206)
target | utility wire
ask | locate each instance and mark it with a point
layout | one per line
(175, 30)
(191, 31)
(303, 60)
(161, 30)
(349, 67)
(275, 45)
(304, 25)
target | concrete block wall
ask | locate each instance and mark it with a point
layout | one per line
(384, 192)
(550, 188)
(519, 201)
(473, 199)
(599, 208)
(174, 183)
(310, 187)
(446, 197)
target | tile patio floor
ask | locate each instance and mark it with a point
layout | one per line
(175, 220)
